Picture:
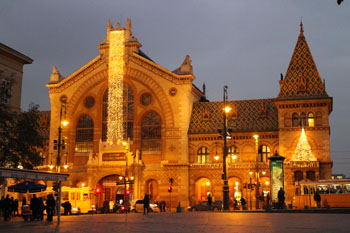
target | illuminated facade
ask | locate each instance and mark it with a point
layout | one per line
(173, 130)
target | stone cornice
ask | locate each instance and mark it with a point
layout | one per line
(76, 76)
(316, 128)
(160, 71)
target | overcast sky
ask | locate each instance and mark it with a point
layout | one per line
(242, 44)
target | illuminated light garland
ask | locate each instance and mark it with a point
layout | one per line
(116, 68)
(303, 149)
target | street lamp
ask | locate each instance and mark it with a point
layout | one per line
(257, 191)
(225, 189)
(60, 144)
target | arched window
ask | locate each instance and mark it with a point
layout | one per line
(264, 153)
(303, 119)
(318, 119)
(203, 155)
(128, 112)
(233, 154)
(310, 119)
(298, 176)
(84, 134)
(286, 120)
(295, 120)
(151, 132)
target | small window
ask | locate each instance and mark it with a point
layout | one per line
(310, 120)
(233, 154)
(295, 120)
(203, 155)
(336, 189)
(264, 153)
(303, 119)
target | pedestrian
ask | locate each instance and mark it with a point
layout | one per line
(41, 208)
(243, 203)
(268, 199)
(210, 201)
(146, 204)
(12, 206)
(281, 198)
(15, 208)
(24, 202)
(163, 205)
(35, 207)
(2, 206)
(317, 198)
(105, 206)
(6, 206)
(50, 207)
(235, 204)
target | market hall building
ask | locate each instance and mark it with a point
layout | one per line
(171, 129)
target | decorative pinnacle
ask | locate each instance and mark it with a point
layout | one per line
(301, 26)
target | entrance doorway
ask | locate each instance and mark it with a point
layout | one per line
(203, 189)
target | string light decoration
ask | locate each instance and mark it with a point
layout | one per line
(303, 149)
(116, 69)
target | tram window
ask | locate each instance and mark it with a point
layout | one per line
(306, 190)
(65, 196)
(323, 188)
(336, 189)
(78, 196)
(85, 196)
(346, 188)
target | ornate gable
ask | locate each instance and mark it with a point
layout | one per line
(302, 77)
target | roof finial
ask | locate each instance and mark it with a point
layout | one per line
(301, 25)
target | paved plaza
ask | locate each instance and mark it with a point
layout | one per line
(186, 222)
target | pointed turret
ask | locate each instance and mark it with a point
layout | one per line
(302, 78)
(55, 77)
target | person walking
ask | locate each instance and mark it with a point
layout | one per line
(281, 198)
(163, 205)
(210, 201)
(35, 207)
(50, 207)
(15, 208)
(317, 198)
(41, 208)
(146, 204)
(12, 207)
(7, 207)
(243, 203)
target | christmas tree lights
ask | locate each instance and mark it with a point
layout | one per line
(116, 69)
(303, 149)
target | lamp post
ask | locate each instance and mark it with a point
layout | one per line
(225, 189)
(257, 191)
(59, 144)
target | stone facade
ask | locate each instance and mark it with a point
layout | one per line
(189, 149)
(11, 74)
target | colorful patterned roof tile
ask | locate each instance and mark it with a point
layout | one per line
(207, 117)
(302, 78)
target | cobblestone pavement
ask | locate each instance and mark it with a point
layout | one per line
(201, 222)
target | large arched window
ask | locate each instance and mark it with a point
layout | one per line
(84, 134)
(203, 155)
(295, 120)
(151, 136)
(310, 119)
(264, 153)
(233, 154)
(128, 112)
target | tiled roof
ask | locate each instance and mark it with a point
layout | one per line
(245, 116)
(302, 78)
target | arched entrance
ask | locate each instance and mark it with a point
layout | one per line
(235, 188)
(110, 191)
(152, 189)
(203, 188)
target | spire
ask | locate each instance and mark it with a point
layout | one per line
(301, 27)
(55, 77)
(302, 78)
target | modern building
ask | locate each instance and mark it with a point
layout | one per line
(11, 74)
(171, 129)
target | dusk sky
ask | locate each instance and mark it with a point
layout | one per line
(242, 44)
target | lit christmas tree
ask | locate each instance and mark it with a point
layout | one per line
(303, 149)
